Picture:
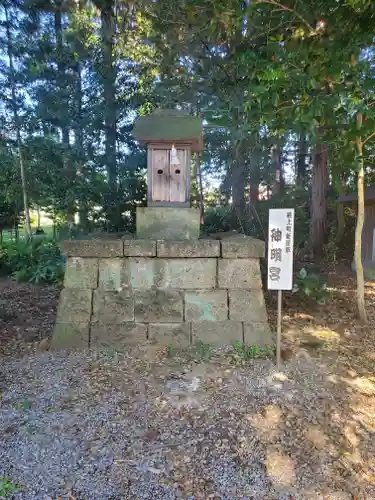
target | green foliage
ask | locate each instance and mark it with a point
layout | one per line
(202, 350)
(310, 285)
(7, 487)
(243, 353)
(217, 219)
(37, 261)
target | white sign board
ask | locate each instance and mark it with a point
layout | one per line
(280, 248)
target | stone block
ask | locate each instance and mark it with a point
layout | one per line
(189, 273)
(217, 332)
(113, 307)
(93, 248)
(168, 223)
(239, 273)
(70, 336)
(242, 247)
(118, 337)
(74, 306)
(113, 274)
(158, 306)
(206, 305)
(247, 305)
(144, 273)
(199, 248)
(176, 334)
(139, 248)
(258, 334)
(170, 273)
(81, 273)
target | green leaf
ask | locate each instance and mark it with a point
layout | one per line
(303, 273)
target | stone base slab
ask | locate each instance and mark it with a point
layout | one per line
(124, 291)
(168, 223)
(177, 334)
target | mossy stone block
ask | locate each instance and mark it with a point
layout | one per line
(81, 273)
(206, 305)
(247, 305)
(118, 337)
(217, 332)
(158, 306)
(93, 248)
(112, 307)
(74, 306)
(70, 336)
(239, 273)
(170, 334)
(168, 223)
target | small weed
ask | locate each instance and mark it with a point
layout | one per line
(244, 353)
(202, 350)
(7, 487)
(171, 351)
(25, 405)
(196, 353)
(30, 429)
(310, 285)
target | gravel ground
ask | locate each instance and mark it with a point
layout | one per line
(78, 426)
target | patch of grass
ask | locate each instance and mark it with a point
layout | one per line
(7, 487)
(202, 351)
(243, 353)
(196, 353)
(25, 405)
(171, 351)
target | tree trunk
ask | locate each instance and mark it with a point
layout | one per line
(359, 226)
(65, 133)
(319, 204)
(341, 212)
(38, 217)
(278, 181)
(17, 126)
(301, 160)
(109, 90)
(238, 188)
(200, 186)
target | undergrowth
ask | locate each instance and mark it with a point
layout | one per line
(37, 261)
(7, 488)
(243, 353)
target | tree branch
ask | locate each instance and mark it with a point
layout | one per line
(288, 9)
(368, 138)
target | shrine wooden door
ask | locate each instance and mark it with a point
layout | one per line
(168, 184)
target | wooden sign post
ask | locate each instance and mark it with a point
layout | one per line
(280, 260)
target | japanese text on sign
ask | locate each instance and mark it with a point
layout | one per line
(280, 249)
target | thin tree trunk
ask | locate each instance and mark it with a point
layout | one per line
(200, 185)
(64, 126)
(109, 87)
(359, 226)
(319, 203)
(301, 160)
(276, 169)
(238, 188)
(83, 206)
(255, 178)
(17, 126)
(341, 212)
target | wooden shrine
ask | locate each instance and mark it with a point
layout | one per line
(171, 136)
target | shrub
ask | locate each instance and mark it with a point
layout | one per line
(37, 261)
(217, 219)
(310, 285)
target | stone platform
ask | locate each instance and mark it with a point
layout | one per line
(128, 291)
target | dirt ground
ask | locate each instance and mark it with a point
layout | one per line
(308, 432)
